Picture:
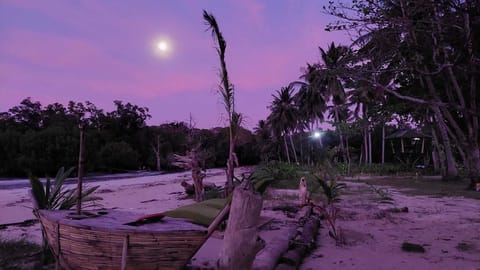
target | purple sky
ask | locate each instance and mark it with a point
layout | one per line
(100, 51)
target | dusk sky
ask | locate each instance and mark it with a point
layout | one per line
(100, 51)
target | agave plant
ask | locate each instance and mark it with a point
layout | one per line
(56, 197)
(53, 196)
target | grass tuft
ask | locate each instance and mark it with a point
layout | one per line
(20, 254)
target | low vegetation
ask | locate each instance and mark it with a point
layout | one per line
(20, 255)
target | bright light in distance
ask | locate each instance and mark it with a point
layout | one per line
(317, 134)
(162, 46)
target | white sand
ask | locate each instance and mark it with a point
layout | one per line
(374, 238)
(145, 195)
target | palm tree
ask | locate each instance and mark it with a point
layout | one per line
(361, 97)
(310, 97)
(327, 78)
(226, 91)
(264, 140)
(284, 117)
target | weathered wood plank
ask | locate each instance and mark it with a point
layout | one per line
(241, 242)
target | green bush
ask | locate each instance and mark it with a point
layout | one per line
(284, 175)
(118, 156)
(382, 169)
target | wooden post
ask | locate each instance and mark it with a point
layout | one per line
(241, 242)
(124, 253)
(80, 170)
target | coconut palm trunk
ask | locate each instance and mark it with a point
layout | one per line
(227, 92)
(340, 134)
(293, 148)
(286, 147)
(383, 143)
(230, 165)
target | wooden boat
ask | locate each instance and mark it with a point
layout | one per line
(104, 241)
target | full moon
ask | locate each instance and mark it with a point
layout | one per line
(162, 46)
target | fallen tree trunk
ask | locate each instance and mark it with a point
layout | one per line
(241, 242)
(268, 258)
(303, 243)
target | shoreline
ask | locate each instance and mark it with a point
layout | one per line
(12, 183)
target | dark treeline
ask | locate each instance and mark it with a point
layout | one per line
(36, 139)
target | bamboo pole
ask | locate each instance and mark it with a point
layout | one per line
(125, 253)
(217, 220)
(81, 126)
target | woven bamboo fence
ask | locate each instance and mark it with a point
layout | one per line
(105, 242)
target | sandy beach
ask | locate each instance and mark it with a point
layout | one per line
(447, 227)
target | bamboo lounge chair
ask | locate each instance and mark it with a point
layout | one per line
(118, 240)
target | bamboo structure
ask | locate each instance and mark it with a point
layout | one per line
(105, 242)
(81, 161)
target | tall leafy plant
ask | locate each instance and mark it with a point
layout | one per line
(332, 190)
(226, 91)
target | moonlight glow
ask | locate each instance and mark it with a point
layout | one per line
(162, 46)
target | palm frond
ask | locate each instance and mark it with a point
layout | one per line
(38, 193)
(226, 89)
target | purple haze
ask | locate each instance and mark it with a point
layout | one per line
(56, 51)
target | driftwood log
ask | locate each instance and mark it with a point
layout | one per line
(241, 242)
(193, 161)
(190, 188)
(304, 242)
(268, 258)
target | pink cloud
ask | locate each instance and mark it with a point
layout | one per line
(74, 57)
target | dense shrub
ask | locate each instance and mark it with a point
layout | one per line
(118, 156)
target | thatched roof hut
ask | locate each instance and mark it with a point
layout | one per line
(410, 146)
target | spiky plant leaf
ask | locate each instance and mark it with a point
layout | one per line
(38, 193)
(56, 197)
(59, 181)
